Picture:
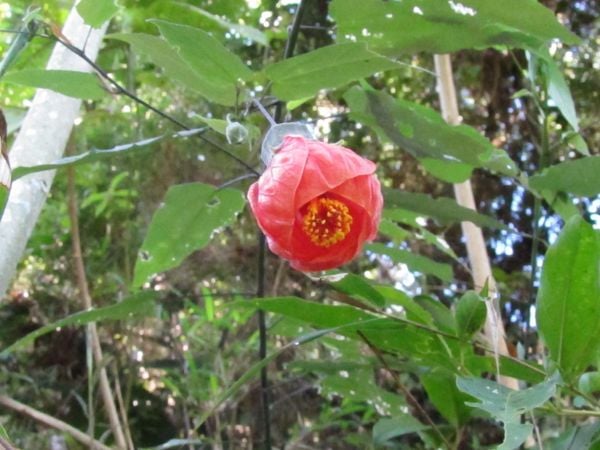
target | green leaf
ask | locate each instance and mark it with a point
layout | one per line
(507, 405)
(445, 210)
(220, 70)
(561, 203)
(579, 177)
(568, 301)
(190, 215)
(366, 390)
(141, 303)
(390, 428)
(470, 314)
(449, 171)
(387, 334)
(4, 191)
(577, 142)
(582, 437)
(529, 372)
(74, 84)
(392, 230)
(100, 154)
(316, 314)
(14, 118)
(559, 92)
(441, 315)
(434, 26)
(413, 261)
(243, 30)
(3, 433)
(357, 286)
(164, 56)
(325, 68)
(422, 132)
(218, 125)
(256, 368)
(413, 310)
(443, 393)
(589, 383)
(5, 181)
(389, 227)
(96, 12)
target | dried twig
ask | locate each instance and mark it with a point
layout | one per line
(51, 422)
(82, 284)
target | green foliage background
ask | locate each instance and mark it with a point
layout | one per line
(389, 356)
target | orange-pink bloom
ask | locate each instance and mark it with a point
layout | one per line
(316, 203)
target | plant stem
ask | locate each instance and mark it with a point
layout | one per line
(290, 46)
(572, 412)
(260, 290)
(262, 350)
(537, 207)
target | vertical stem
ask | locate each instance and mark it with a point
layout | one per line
(290, 46)
(260, 289)
(84, 292)
(476, 249)
(537, 207)
(262, 350)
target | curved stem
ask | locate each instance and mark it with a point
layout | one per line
(51, 422)
(122, 90)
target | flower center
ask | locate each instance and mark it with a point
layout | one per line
(326, 221)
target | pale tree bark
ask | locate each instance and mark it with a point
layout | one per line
(476, 249)
(42, 139)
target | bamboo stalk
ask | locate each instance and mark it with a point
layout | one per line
(476, 249)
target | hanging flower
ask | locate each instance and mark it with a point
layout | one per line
(316, 203)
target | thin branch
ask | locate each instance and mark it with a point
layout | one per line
(264, 112)
(409, 397)
(82, 284)
(575, 412)
(51, 422)
(122, 407)
(235, 181)
(5, 445)
(538, 436)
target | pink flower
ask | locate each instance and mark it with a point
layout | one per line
(316, 203)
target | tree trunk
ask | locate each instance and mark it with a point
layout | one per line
(41, 140)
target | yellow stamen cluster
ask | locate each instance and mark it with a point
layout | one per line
(326, 221)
